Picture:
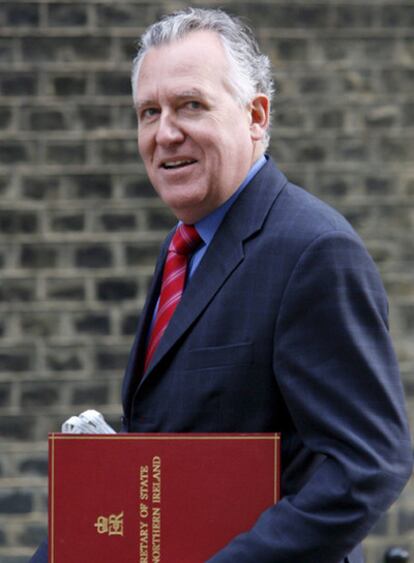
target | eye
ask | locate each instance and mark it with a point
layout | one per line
(193, 105)
(149, 113)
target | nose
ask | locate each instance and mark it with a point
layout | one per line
(169, 132)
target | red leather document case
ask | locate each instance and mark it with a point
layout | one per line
(156, 498)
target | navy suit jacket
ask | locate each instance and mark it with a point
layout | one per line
(283, 328)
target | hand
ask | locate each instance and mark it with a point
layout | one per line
(88, 422)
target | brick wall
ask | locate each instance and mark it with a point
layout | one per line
(80, 226)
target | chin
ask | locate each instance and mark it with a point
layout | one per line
(186, 208)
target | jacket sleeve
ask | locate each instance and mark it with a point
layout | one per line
(337, 371)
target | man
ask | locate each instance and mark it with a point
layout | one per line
(282, 326)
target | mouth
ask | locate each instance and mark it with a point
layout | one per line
(177, 164)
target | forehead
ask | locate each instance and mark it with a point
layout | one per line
(197, 60)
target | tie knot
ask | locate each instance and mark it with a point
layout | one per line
(185, 239)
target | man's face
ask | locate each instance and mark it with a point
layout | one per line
(195, 139)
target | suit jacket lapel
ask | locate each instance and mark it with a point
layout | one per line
(135, 364)
(225, 253)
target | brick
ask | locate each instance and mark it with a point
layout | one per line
(407, 318)
(311, 152)
(406, 520)
(40, 187)
(13, 222)
(288, 50)
(89, 186)
(32, 535)
(69, 85)
(116, 289)
(39, 324)
(13, 152)
(129, 324)
(7, 49)
(66, 49)
(35, 466)
(117, 151)
(67, 15)
(336, 49)
(285, 115)
(407, 49)
(59, 152)
(128, 48)
(18, 83)
(385, 116)
(5, 182)
(15, 361)
(160, 220)
(5, 393)
(6, 116)
(330, 119)
(17, 290)
(310, 85)
(90, 395)
(124, 14)
(126, 117)
(92, 323)
(114, 222)
(358, 81)
(374, 48)
(19, 14)
(38, 256)
(113, 83)
(351, 149)
(67, 222)
(397, 16)
(404, 77)
(18, 427)
(355, 16)
(93, 256)
(65, 290)
(94, 117)
(137, 187)
(62, 359)
(39, 395)
(377, 185)
(111, 360)
(395, 149)
(15, 502)
(408, 114)
(141, 253)
(41, 119)
(286, 15)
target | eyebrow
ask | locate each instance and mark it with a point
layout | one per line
(184, 95)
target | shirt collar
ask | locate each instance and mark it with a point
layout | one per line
(208, 225)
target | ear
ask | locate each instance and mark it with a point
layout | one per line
(259, 116)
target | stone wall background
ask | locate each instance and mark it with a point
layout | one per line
(80, 226)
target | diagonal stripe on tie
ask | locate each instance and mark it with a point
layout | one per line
(183, 244)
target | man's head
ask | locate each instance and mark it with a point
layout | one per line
(202, 92)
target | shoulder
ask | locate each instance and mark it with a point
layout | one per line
(293, 208)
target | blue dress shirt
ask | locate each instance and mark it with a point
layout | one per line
(207, 227)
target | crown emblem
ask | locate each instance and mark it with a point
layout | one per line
(112, 525)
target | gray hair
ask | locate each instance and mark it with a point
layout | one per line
(250, 70)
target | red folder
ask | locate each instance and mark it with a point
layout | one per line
(156, 498)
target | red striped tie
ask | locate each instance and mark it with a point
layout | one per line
(184, 242)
